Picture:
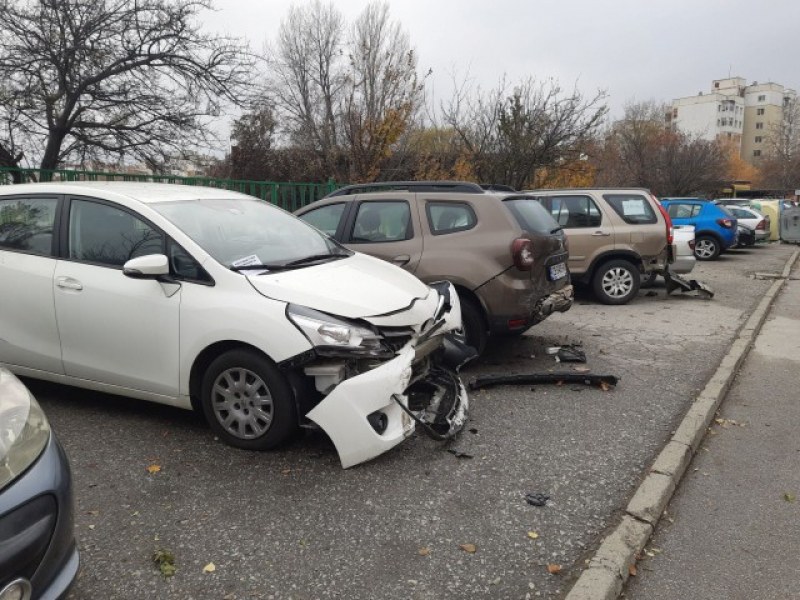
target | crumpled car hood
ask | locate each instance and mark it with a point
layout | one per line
(355, 287)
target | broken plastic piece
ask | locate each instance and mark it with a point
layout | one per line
(557, 378)
(571, 353)
(692, 286)
(536, 498)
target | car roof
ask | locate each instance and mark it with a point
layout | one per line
(140, 191)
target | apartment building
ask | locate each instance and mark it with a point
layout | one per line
(734, 111)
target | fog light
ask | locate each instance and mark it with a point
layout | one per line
(19, 589)
(378, 420)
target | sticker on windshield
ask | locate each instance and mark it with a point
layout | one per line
(246, 261)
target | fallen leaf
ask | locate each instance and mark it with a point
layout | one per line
(533, 535)
(209, 568)
(632, 570)
(165, 561)
(154, 468)
(604, 385)
(286, 471)
(553, 569)
(581, 369)
(789, 497)
(424, 551)
(91, 526)
(471, 548)
(94, 513)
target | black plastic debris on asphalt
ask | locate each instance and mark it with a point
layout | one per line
(540, 378)
(536, 498)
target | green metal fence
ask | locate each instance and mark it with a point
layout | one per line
(288, 195)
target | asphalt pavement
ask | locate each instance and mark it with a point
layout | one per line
(732, 529)
(292, 524)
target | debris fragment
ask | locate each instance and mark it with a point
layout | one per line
(691, 286)
(725, 423)
(533, 535)
(424, 551)
(209, 568)
(536, 498)
(571, 353)
(789, 497)
(459, 453)
(632, 570)
(538, 378)
(651, 293)
(469, 548)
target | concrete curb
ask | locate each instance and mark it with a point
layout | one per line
(608, 570)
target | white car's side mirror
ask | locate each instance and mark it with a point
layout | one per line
(151, 266)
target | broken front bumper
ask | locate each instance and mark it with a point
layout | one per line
(367, 413)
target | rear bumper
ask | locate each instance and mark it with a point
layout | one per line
(683, 264)
(530, 309)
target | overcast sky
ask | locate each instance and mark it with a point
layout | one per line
(633, 49)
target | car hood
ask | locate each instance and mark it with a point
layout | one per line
(355, 287)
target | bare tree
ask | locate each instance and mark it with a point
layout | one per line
(348, 97)
(93, 78)
(640, 150)
(512, 136)
(781, 165)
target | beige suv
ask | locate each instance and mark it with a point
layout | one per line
(616, 236)
(505, 254)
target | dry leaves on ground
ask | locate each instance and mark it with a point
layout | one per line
(553, 568)
(470, 548)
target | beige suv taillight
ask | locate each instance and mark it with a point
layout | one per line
(522, 253)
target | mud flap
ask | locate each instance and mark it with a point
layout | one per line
(692, 286)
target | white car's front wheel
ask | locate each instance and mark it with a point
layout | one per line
(247, 401)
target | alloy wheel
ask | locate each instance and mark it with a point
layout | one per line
(617, 282)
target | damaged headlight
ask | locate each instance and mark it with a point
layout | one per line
(24, 430)
(324, 330)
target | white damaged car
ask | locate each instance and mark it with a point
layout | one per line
(208, 299)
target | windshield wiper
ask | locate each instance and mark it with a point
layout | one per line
(262, 267)
(315, 258)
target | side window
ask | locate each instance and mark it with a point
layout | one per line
(26, 224)
(575, 211)
(325, 218)
(102, 234)
(449, 217)
(384, 221)
(634, 209)
(681, 211)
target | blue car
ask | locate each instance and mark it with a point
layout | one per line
(715, 226)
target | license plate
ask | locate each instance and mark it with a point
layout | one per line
(557, 271)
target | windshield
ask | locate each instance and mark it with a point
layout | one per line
(242, 232)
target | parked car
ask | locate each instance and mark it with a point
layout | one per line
(204, 298)
(38, 554)
(715, 226)
(616, 237)
(753, 220)
(505, 255)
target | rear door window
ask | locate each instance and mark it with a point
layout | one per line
(382, 221)
(576, 211)
(325, 218)
(26, 224)
(634, 209)
(531, 215)
(449, 217)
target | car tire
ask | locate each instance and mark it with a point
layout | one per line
(616, 282)
(476, 333)
(247, 401)
(706, 247)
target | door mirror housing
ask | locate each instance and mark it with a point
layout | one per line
(151, 266)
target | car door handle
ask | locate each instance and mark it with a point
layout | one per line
(601, 234)
(401, 260)
(68, 283)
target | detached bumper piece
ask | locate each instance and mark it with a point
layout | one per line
(692, 286)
